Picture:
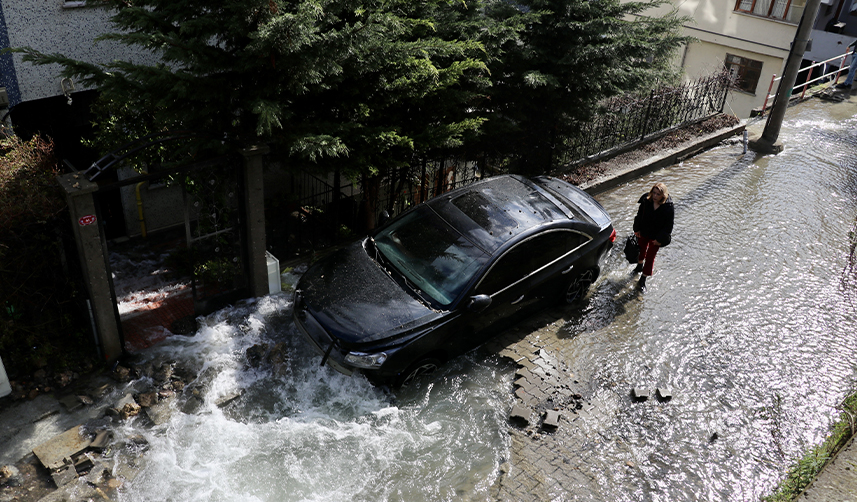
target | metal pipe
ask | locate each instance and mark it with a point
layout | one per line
(781, 101)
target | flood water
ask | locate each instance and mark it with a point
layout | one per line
(749, 319)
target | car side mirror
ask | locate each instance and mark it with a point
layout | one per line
(383, 217)
(479, 303)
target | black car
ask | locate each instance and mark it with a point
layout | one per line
(450, 273)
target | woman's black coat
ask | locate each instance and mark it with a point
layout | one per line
(655, 224)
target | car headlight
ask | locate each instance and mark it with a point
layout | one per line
(364, 360)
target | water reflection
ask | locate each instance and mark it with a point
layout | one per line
(745, 318)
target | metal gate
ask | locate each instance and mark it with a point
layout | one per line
(215, 237)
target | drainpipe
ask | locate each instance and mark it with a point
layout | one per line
(140, 216)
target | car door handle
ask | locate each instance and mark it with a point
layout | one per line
(519, 299)
(567, 270)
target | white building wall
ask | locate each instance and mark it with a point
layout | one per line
(55, 26)
(719, 29)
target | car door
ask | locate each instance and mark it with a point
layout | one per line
(522, 280)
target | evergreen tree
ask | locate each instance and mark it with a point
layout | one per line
(322, 79)
(371, 86)
(570, 55)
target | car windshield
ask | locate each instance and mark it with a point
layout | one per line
(433, 256)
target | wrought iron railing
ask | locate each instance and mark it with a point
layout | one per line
(311, 212)
(627, 119)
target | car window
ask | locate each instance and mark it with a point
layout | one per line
(528, 257)
(434, 257)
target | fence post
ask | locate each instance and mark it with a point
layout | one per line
(646, 119)
(841, 64)
(808, 78)
(724, 83)
(768, 95)
(254, 204)
(79, 194)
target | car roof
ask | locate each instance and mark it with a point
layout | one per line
(495, 210)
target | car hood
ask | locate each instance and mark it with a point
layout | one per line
(356, 301)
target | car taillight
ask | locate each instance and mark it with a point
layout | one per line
(613, 236)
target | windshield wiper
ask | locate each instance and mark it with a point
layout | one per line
(408, 283)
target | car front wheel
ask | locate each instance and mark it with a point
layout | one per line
(579, 286)
(413, 373)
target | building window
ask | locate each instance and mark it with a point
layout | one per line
(787, 10)
(743, 72)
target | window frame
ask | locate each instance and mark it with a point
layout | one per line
(768, 15)
(586, 240)
(743, 68)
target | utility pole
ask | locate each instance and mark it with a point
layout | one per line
(768, 143)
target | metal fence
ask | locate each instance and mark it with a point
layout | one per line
(311, 212)
(627, 119)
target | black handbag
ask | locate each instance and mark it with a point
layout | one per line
(632, 249)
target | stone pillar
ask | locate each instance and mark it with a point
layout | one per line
(87, 234)
(254, 204)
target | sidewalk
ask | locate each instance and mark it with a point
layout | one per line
(837, 482)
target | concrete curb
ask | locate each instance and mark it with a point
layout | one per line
(669, 158)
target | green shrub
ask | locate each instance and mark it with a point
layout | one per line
(42, 314)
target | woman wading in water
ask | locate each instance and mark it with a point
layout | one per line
(653, 227)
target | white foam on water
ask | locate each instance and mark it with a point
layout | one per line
(303, 432)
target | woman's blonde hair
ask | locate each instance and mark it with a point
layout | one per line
(662, 188)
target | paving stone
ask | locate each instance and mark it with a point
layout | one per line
(524, 373)
(508, 353)
(546, 467)
(551, 420)
(525, 384)
(526, 363)
(526, 397)
(520, 414)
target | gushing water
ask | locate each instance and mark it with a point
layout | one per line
(297, 431)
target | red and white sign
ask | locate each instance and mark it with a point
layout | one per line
(89, 219)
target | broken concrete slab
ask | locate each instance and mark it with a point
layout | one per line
(520, 414)
(102, 439)
(640, 394)
(551, 420)
(664, 394)
(52, 453)
(64, 476)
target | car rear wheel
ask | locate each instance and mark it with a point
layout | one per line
(417, 370)
(580, 285)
